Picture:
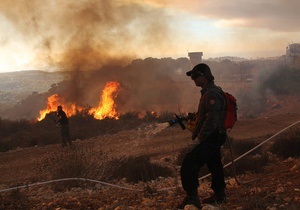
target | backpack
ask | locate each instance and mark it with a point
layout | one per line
(230, 113)
(230, 110)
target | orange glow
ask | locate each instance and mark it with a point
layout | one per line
(107, 106)
(54, 101)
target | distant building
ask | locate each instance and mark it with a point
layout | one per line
(293, 55)
(195, 58)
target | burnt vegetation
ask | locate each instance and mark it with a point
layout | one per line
(143, 97)
(24, 133)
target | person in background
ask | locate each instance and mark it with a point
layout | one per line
(208, 136)
(63, 122)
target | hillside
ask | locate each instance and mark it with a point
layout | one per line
(15, 86)
(275, 187)
(268, 181)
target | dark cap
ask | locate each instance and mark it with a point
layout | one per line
(201, 69)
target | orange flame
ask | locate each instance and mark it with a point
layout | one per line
(54, 101)
(107, 107)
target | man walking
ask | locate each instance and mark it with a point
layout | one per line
(208, 136)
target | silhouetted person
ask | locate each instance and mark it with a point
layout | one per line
(208, 136)
(63, 122)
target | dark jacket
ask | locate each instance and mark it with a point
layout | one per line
(211, 111)
(63, 119)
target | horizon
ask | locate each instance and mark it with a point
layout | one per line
(203, 59)
(89, 34)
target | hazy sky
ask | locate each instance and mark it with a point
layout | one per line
(86, 34)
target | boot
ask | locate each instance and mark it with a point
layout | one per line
(183, 203)
(216, 198)
(191, 199)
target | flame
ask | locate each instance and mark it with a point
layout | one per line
(54, 101)
(107, 106)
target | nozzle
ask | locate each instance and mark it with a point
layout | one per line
(180, 122)
(172, 122)
(177, 120)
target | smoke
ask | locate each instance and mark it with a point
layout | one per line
(145, 85)
(87, 34)
(95, 41)
(161, 85)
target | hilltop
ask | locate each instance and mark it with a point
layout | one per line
(15, 86)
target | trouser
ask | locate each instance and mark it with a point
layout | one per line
(65, 134)
(201, 153)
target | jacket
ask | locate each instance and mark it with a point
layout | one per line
(211, 111)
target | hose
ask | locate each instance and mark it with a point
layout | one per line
(164, 189)
(70, 179)
(249, 151)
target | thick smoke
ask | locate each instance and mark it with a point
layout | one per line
(89, 36)
(146, 85)
(98, 41)
(161, 85)
(85, 35)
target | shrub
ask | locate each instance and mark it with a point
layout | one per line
(252, 163)
(284, 81)
(241, 146)
(15, 200)
(287, 145)
(70, 163)
(4, 147)
(135, 169)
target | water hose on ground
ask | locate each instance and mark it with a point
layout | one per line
(164, 189)
(249, 151)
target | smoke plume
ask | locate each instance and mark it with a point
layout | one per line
(85, 35)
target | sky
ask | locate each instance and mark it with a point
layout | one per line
(87, 34)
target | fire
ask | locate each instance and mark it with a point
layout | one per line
(54, 101)
(107, 106)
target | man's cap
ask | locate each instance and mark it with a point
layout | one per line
(201, 69)
(59, 107)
